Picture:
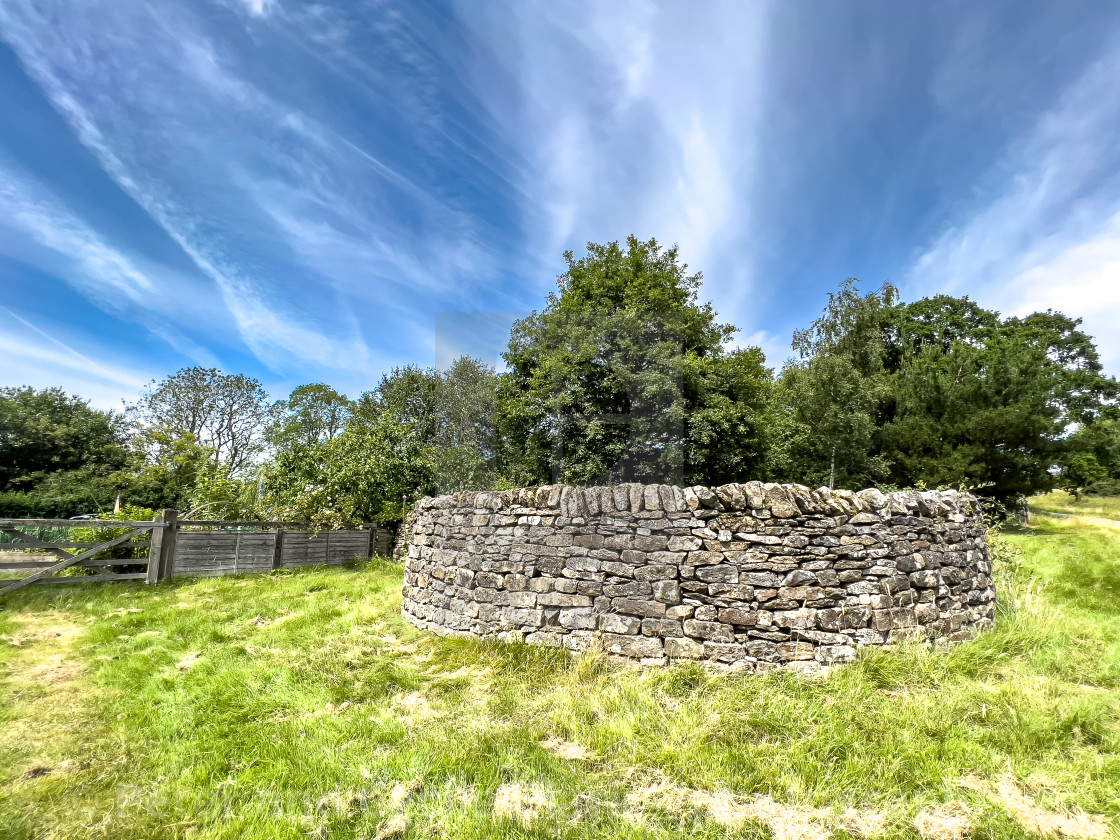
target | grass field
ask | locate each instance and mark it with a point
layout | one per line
(1106, 507)
(300, 705)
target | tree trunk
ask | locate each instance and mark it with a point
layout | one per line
(832, 470)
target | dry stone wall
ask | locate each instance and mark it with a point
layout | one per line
(750, 576)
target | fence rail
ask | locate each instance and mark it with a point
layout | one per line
(177, 548)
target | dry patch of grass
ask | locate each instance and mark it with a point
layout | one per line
(401, 792)
(189, 661)
(1059, 501)
(395, 827)
(786, 822)
(414, 709)
(1075, 824)
(863, 823)
(567, 750)
(948, 821)
(522, 803)
(1074, 520)
(46, 700)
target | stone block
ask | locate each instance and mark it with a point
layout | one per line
(705, 558)
(731, 591)
(924, 579)
(620, 624)
(661, 627)
(805, 594)
(684, 543)
(791, 651)
(708, 499)
(656, 572)
(927, 613)
(765, 579)
(635, 647)
(683, 649)
(725, 652)
(780, 503)
(667, 591)
(579, 619)
(742, 615)
(635, 606)
(723, 573)
(581, 564)
(910, 563)
(651, 543)
(559, 599)
(711, 630)
(630, 589)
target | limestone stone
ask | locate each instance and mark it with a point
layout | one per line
(683, 649)
(622, 624)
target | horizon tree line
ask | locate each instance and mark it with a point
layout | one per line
(623, 375)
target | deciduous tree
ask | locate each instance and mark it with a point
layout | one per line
(625, 375)
(226, 413)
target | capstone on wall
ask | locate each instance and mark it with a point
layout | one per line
(750, 576)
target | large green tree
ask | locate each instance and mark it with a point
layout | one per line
(370, 472)
(625, 375)
(1091, 462)
(226, 413)
(983, 401)
(313, 414)
(828, 400)
(49, 431)
(939, 392)
(450, 413)
(58, 456)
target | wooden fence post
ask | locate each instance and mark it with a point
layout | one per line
(161, 556)
(370, 545)
(278, 550)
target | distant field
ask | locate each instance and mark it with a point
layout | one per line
(301, 705)
(1059, 501)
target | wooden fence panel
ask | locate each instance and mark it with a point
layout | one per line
(332, 548)
(211, 553)
(177, 550)
(382, 542)
(300, 549)
(346, 546)
(214, 553)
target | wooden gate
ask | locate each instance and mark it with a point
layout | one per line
(180, 548)
(158, 535)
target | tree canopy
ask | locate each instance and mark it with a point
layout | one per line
(224, 412)
(625, 376)
(58, 456)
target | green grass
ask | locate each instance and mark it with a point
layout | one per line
(1107, 507)
(302, 727)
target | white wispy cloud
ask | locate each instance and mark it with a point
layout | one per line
(775, 347)
(260, 8)
(1045, 230)
(203, 165)
(37, 228)
(636, 117)
(103, 272)
(32, 354)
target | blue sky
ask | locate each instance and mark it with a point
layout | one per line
(321, 191)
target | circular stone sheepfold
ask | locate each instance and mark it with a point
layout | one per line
(751, 576)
